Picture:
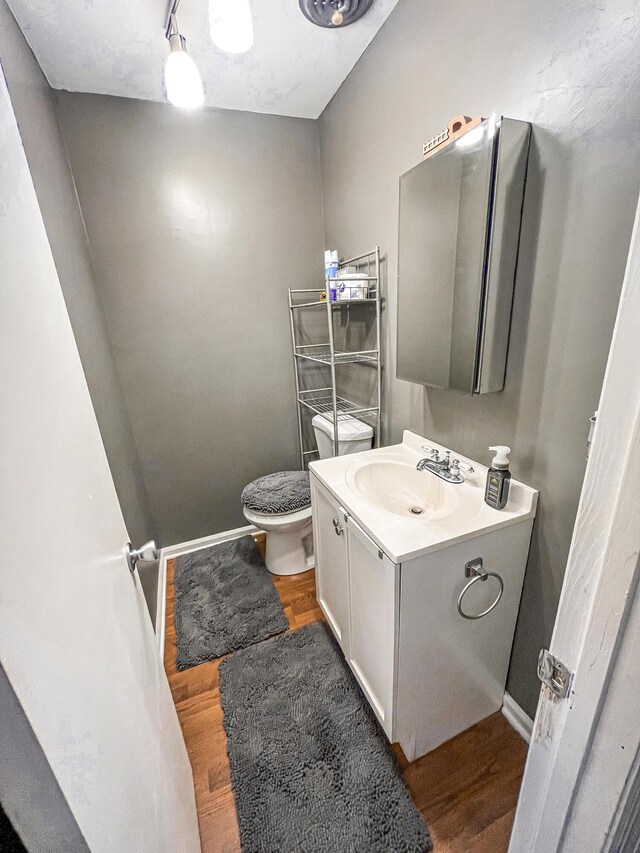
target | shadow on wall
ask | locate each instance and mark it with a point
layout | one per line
(519, 408)
(149, 578)
(540, 598)
(9, 838)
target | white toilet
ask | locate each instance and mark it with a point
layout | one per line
(280, 504)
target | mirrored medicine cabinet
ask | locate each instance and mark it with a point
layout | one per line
(460, 216)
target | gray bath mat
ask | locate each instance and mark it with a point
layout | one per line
(310, 768)
(224, 600)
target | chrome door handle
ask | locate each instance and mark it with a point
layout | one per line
(336, 526)
(148, 553)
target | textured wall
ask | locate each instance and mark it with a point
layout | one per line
(33, 104)
(198, 223)
(572, 69)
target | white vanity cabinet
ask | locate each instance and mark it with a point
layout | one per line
(357, 589)
(330, 548)
(427, 670)
(373, 606)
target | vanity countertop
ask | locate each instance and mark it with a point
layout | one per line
(449, 512)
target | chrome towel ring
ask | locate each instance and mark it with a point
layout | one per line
(474, 570)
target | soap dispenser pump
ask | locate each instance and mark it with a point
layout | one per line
(498, 478)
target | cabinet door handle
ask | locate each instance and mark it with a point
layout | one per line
(336, 526)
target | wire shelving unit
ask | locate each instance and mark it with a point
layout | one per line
(326, 401)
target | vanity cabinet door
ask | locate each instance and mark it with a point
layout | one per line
(332, 573)
(373, 590)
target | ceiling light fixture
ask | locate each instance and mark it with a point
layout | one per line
(334, 13)
(231, 25)
(182, 80)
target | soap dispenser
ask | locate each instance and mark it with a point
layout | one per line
(498, 478)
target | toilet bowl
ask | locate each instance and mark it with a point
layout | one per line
(280, 504)
(286, 552)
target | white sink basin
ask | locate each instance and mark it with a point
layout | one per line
(399, 488)
(408, 512)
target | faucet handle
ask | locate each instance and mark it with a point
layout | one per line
(455, 473)
(457, 467)
(432, 451)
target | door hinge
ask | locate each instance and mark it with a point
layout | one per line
(554, 674)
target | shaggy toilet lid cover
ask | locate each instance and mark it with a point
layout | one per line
(285, 491)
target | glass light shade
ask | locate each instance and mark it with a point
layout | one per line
(182, 81)
(231, 25)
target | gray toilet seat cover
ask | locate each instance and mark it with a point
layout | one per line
(285, 491)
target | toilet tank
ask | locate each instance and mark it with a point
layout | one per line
(354, 436)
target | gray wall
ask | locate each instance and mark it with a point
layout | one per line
(33, 104)
(198, 223)
(573, 71)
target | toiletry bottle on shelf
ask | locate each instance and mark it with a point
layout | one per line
(331, 270)
(498, 478)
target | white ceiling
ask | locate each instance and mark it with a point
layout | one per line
(117, 47)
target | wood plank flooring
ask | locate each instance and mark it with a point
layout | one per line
(466, 789)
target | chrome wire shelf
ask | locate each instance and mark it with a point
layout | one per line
(326, 401)
(322, 353)
(339, 303)
(322, 404)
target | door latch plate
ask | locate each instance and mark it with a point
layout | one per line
(554, 674)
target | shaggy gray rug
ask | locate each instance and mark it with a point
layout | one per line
(224, 600)
(311, 770)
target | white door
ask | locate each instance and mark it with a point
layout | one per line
(332, 578)
(373, 593)
(76, 641)
(580, 787)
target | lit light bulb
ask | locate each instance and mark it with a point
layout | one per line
(182, 79)
(231, 25)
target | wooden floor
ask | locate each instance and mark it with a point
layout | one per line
(466, 789)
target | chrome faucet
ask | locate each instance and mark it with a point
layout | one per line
(434, 463)
(447, 469)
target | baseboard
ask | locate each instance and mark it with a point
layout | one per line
(520, 721)
(161, 604)
(172, 551)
